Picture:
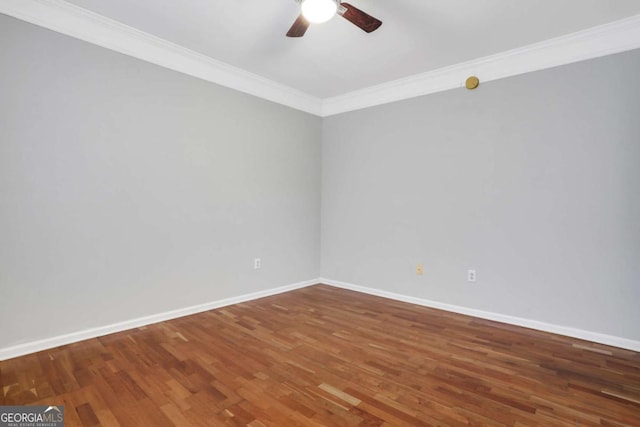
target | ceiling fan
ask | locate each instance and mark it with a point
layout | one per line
(318, 11)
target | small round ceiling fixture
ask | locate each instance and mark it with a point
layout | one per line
(472, 82)
(319, 11)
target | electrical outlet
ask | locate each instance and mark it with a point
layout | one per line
(419, 269)
(257, 263)
(471, 275)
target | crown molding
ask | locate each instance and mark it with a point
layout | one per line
(74, 21)
(607, 39)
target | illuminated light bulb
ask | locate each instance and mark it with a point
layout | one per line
(319, 11)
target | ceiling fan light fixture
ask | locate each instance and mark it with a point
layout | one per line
(319, 11)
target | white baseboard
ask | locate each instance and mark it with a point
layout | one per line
(512, 320)
(48, 343)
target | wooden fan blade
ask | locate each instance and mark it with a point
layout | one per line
(363, 20)
(299, 27)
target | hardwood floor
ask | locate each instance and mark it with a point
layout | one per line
(323, 356)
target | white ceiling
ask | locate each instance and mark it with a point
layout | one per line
(336, 57)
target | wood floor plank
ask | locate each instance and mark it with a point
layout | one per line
(322, 356)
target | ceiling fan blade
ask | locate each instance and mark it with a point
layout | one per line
(299, 27)
(363, 20)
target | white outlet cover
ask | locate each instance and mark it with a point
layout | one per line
(471, 275)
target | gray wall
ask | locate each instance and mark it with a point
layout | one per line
(127, 189)
(534, 181)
